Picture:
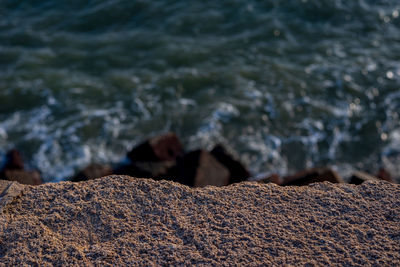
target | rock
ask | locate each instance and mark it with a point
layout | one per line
(146, 169)
(237, 171)
(383, 174)
(23, 176)
(13, 160)
(153, 158)
(313, 175)
(199, 168)
(161, 148)
(359, 177)
(156, 169)
(273, 178)
(13, 170)
(92, 171)
(132, 170)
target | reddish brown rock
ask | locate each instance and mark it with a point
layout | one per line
(155, 169)
(92, 171)
(273, 178)
(23, 177)
(359, 177)
(14, 160)
(383, 174)
(132, 170)
(161, 148)
(199, 168)
(14, 170)
(237, 170)
(313, 175)
(146, 169)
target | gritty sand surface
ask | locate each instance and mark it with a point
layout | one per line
(119, 220)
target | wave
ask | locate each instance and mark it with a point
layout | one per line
(288, 84)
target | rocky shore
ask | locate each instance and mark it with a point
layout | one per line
(164, 158)
(125, 221)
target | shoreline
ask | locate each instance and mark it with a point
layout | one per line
(164, 157)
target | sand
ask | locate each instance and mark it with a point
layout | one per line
(119, 220)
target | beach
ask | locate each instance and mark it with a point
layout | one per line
(120, 220)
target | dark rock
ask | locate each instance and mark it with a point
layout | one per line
(23, 177)
(273, 178)
(161, 148)
(359, 177)
(156, 169)
(13, 170)
(237, 171)
(383, 174)
(13, 160)
(92, 171)
(199, 168)
(313, 175)
(132, 170)
(146, 169)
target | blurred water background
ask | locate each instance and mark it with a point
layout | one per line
(288, 84)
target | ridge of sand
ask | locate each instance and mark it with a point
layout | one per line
(9, 190)
(119, 220)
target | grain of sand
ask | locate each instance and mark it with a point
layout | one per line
(119, 220)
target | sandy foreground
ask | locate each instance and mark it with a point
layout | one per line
(119, 220)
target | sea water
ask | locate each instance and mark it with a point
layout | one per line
(288, 84)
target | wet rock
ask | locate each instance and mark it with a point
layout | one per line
(313, 175)
(13, 160)
(383, 174)
(237, 171)
(13, 170)
(92, 171)
(23, 176)
(199, 168)
(156, 169)
(146, 169)
(161, 148)
(132, 170)
(273, 178)
(359, 177)
(154, 158)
